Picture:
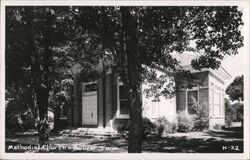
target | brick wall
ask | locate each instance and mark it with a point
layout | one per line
(77, 105)
(108, 99)
(203, 95)
(181, 100)
(100, 102)
(114, 96)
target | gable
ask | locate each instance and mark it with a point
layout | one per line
(185, 62)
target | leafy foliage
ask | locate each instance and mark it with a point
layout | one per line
(21, 112)
(236, 89)
(43, 43)
(148, 127)
(233, 112)
(41, 56)
(151, 128)
(239, 107)
(230, 113)
(201, 116)
(185, 122)
(158, 127)
(20, 122)
(161, 31)
(218, 126)
(164, 126)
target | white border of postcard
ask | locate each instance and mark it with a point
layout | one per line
(242, 3)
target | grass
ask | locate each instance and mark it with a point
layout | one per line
(229, 140)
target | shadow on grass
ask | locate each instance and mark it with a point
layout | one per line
(235, 129)
(213, 141)
(227, 135)
(112, 142)
(194, 145)
(217, 141)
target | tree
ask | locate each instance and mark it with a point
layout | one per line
(40, 52)
(137, 39)
(32, 34)
(140, 38)
(236, 89)
(236, 93)
(234, 112)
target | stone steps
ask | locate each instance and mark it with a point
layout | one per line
(88, 132)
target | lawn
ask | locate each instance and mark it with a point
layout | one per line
(213, 141)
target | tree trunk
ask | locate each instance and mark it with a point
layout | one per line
(43, 95)
(42, 102)
(135, 132)
(57, 117)
(131, 44)
(40, 78)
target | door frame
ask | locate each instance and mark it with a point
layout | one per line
(90, 93)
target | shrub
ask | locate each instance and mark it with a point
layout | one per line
(148, 127)
(20, 123)
(233, 112)
(159, 130)
(13, 123)
(239, 107)
(164, 126)
(218, 126)
(185, 122)
(230, 113)
(151, 128)
(174, 126)
(124, 129)
(201, 116)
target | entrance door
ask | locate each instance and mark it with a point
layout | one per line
(89, 104)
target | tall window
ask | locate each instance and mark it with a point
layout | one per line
(223, 104)
(192, 97)
(212, 98)
(122, 97)
(220, 103)
(217, 99)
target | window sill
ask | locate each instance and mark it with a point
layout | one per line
(218, 117)
(63, 118)
(122, 116)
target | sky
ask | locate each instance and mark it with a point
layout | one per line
(234, 65)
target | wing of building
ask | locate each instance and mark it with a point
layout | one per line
(103, 103)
